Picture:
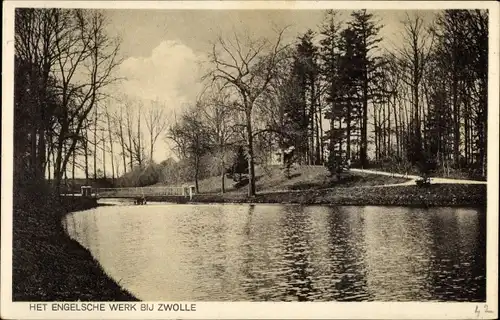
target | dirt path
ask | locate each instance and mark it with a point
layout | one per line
(412, 178)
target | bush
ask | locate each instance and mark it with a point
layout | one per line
(240, 164)
(141, 176)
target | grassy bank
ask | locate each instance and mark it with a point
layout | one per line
(314, 185)
(49, 266)
(301, 177)
(449, 173)
(434, 195)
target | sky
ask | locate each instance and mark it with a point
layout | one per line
(164, 51)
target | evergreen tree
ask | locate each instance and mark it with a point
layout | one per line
(335, 157)
(365, 31)
(240, 165)
(329, 66)
(462, 51)
(302, 110)
(350, 83)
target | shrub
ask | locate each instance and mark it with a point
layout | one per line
(240, 164)
(141, 176)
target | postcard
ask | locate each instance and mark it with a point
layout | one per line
(250, 159)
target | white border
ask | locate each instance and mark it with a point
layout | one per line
(267, 310)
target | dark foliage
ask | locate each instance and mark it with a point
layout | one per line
(240, 165)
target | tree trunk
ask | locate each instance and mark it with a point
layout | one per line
(312, 120)
(58, 174)
(318, 142)
(415, 87)
(111, 149)
(86, 150)
(40, 167)
(223, 180)
(65, 171)
(103, 154)
(129, 130)
(348, 131)
(456, 113)
(139, 147)
(320, 112)
(251, 161)
(95, 144)
(49, 163)
(196, 173)
(223, 169)
(376, 136)
(122, 142)
(387, 130)
(73, 167)
(364, 125)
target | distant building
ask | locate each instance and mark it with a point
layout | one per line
(279, 156)
(276, 158)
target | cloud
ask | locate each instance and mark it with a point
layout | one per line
(171, 74)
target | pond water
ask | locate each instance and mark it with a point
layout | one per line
(229, 252)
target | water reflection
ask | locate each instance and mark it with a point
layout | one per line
(397, 243)
(288, 253)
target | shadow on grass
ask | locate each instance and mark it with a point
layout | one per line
(348, 180)
(49, 266)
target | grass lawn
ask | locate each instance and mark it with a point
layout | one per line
(314, 185)
(451, 195)
(302, 178)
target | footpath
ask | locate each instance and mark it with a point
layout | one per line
(413, 178)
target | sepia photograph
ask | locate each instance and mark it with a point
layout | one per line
(160, 158)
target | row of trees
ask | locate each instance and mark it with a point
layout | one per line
(134, 128)
(209, 129)
(400, 99)
(337, 94)
(66, 120)
(332, 94)
(64, 61)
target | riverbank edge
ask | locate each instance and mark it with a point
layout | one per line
(438, 195)
(47, 265)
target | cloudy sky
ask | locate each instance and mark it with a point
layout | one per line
(164, 50)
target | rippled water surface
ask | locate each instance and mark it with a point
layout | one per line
(288, 253)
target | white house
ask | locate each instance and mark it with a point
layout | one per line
(276, 158)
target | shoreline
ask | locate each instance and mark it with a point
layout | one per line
(437, 195)
(47, 265)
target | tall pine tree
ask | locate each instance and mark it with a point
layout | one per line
(329, 67)
(366, 37)
(301, 113)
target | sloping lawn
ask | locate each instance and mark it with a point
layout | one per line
(301, 178)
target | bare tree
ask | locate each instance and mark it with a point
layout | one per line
(95, 144)
(215, 107)
(110, 136)
(138, 140)
(413, 57)
(84, 52)
(246, 67)
(156, 123)
(86, 152)
(129, 132)
(191, 139)
(120, 134)
(131, 135)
